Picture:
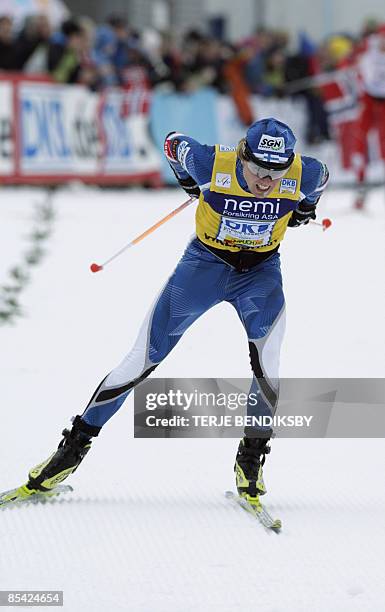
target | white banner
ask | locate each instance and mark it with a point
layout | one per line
(128, 147)
(67, 131)
(6, 130)
(59, 130)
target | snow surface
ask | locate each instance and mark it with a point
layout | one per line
(147, 528)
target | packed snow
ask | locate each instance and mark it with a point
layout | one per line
(147, 528)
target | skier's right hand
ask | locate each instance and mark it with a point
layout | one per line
(189, 185)
(186, 181)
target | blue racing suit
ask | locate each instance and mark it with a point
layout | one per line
(249, 279)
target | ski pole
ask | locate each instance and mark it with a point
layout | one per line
(325, 223)
(94, 267)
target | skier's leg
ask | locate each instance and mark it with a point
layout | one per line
(196, 285)
(360, 157)
(380, 125)
(260, 305)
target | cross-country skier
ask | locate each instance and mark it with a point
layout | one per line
(371, 70)
(248, 196)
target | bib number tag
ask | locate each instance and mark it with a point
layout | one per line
(245, 233)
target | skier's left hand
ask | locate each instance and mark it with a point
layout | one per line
(302, 214)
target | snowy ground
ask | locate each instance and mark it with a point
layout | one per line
(147, 528)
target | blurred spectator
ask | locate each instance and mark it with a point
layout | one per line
(256, 48)
(65, 53)
(114, 54)
(88, 74)
(370, 27)
(104, 51)
(273, 77)
(116, 49)
(8, 59)
(300, 68)
(165, 58)
(126, 42)
(202, 62)
(32, 44)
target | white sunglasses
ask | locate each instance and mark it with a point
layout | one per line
(265, 172)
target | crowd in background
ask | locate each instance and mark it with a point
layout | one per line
(114, 54)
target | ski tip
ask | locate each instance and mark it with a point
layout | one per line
(22, 495)
(258, 510)
(277, 526)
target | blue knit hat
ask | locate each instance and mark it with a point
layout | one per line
(271, 141)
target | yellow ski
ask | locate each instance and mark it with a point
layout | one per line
(256, 509)
(23, 495)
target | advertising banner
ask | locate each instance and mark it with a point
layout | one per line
(6, 130)
(52, 132)
(59, 130)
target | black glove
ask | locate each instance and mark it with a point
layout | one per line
(189, 185)
(302, 214)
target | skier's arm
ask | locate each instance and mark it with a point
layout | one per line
(315, 176)
(190, 161)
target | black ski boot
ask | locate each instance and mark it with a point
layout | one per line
(70, 453)
(248, 467)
